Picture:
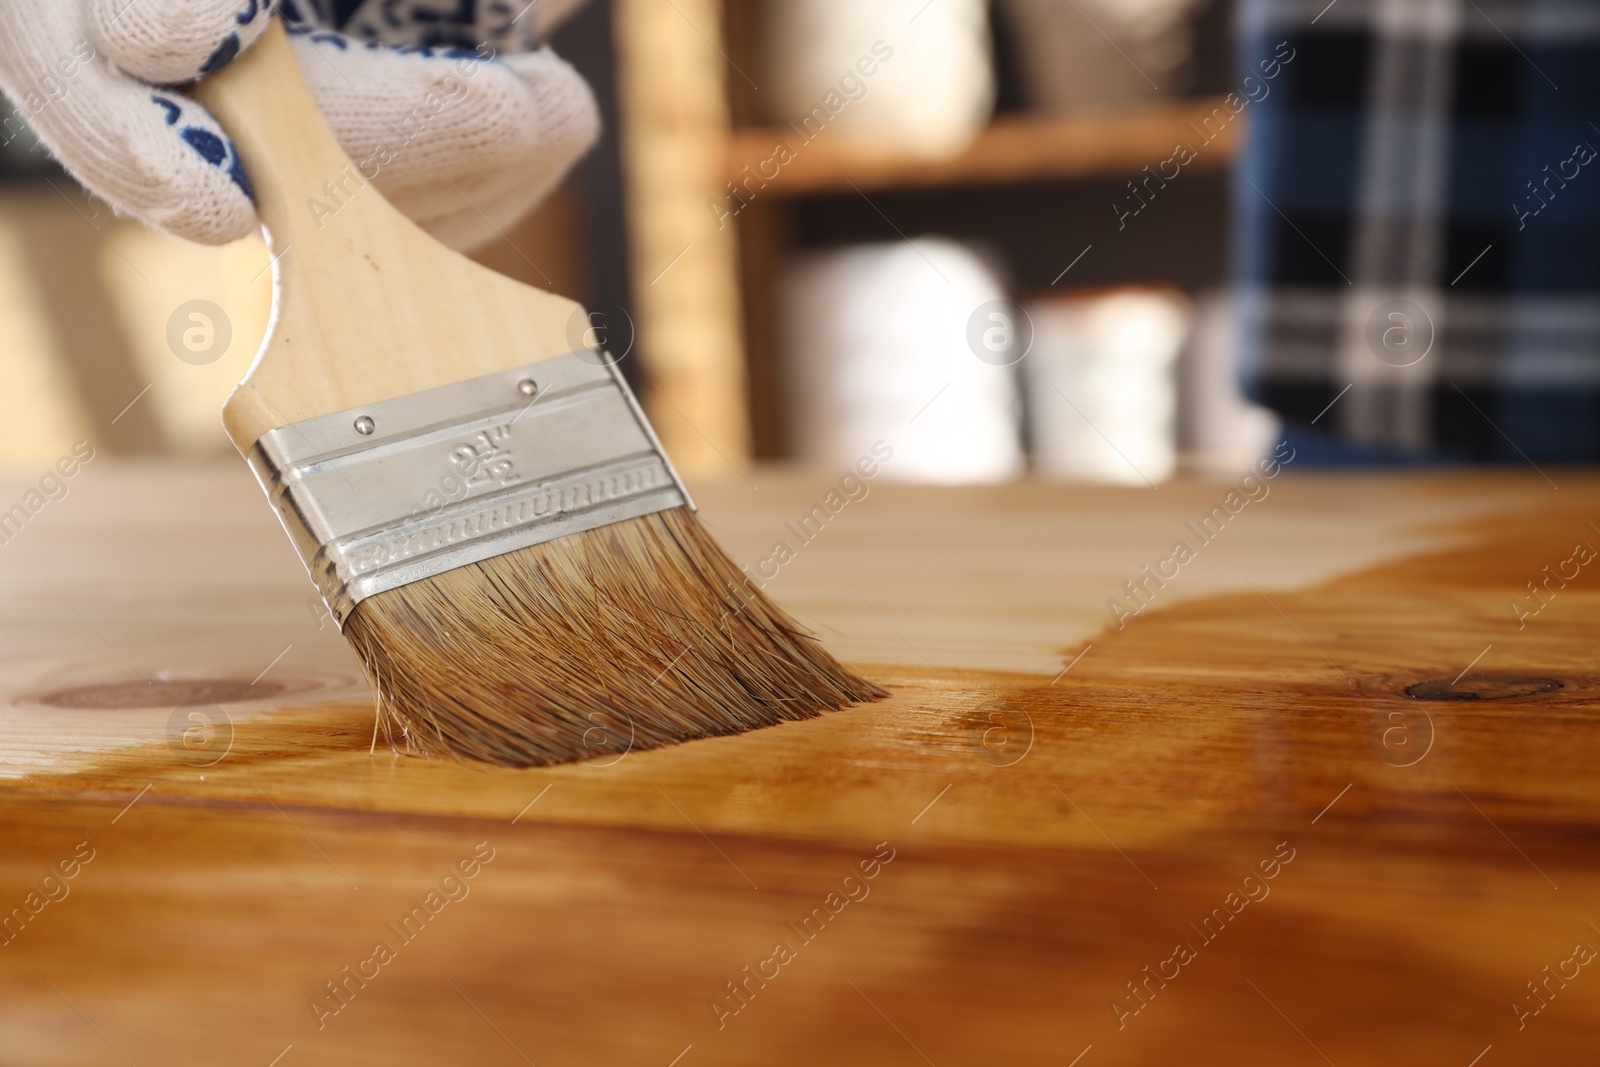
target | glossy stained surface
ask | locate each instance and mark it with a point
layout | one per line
(1052, 833)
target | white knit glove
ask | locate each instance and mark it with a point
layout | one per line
(462, 144)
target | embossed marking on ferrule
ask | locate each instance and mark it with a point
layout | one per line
(462, 473)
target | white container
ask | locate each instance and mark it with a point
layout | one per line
(1098, 52)
(1219, 429)
(901, 77)
(1102, 401)
(876, 349)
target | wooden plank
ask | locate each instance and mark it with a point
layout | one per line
(1052, 833)
(1011, 149)
(684, 265)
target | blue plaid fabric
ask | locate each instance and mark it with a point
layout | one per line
(1418, 226)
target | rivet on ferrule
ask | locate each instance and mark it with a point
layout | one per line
(462, 473)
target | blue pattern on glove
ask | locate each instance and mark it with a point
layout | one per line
(224, 54)
(211, 147)
(419, 27)
(229, 47)
(173, 110)
(240, 178)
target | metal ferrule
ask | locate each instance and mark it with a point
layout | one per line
(391, 493)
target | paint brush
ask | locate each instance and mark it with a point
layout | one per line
(474, 490)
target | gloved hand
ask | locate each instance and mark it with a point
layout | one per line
(459, 118)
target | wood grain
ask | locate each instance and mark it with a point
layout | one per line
(1052, 833)
(673, 129)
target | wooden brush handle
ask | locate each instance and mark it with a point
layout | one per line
(367, 306)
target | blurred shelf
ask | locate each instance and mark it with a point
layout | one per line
(1011, 149)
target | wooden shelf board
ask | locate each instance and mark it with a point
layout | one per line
(1011, 149)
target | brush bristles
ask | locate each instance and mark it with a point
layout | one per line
(635, 635)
